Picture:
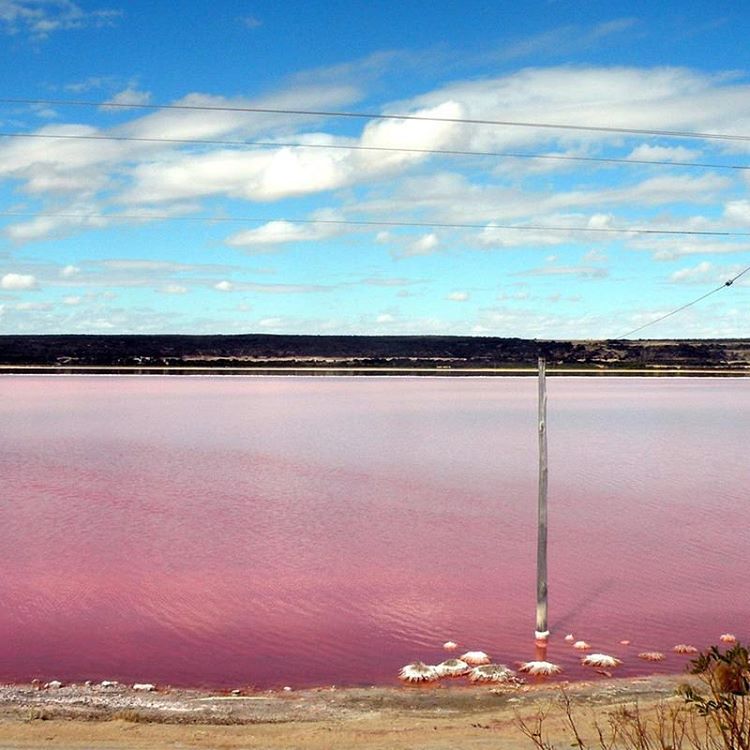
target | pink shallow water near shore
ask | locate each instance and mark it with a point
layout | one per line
(313, 531)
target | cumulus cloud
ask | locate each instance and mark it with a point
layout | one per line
(153, 177)
(273, 174)
(664, 98)
(18, 281)
(458, 296)
(224, 286)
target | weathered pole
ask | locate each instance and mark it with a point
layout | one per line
(542, 632)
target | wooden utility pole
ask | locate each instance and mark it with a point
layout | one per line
(542, 633)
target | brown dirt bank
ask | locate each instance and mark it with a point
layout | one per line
(380, 717)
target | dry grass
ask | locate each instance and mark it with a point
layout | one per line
(714, 717)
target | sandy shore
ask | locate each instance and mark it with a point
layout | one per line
(379, 717)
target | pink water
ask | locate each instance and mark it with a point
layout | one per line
(312, 531)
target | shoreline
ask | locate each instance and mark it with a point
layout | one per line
(364, 371)
(375, 717)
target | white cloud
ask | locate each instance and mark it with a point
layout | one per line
(416, 134)
(72, 300)
(424, 245)
(564, 39)
(595, 256)
(738, 211)
(582, 272)
(25, 306)
(142, 176)
(154, 180)
(251, 22)
(703, 271)
(18, 281)
(128, 96)
(388, 281)
(278, 233)
(600, 221)
(458, 296)
(44, 227)
(385, 318)
(273, 174)
(494, 236)
(647, 152)
(90, 83)
(69, 271)
(671, 248)
(522, 294)
(666, 98)
(40, 18)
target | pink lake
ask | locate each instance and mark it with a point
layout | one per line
(264, 531)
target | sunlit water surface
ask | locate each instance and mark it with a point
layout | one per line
(314, 531)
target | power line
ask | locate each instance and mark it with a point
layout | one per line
(396, 149)
(382, 223)
(379, 116)
(684, 307)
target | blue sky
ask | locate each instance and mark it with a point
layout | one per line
(126, 236)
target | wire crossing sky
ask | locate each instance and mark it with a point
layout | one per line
(547, 170)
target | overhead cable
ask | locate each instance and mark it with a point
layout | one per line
(380, 116)
(726, 284)
(382, 223)
(357, 147)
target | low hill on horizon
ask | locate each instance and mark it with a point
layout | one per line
(257, 350)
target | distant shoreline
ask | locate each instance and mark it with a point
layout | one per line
(186, 370)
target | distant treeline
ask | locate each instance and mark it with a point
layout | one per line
(256, 350)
